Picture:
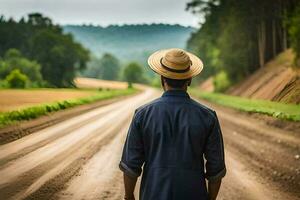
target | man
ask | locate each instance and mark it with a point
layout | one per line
(170, 136)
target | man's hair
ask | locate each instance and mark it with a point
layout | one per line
(176, 83)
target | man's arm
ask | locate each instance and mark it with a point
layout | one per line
(213, 189)
(132, 158)
(129, 183)
(215, 162)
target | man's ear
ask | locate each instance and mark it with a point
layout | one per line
(162, 81)
(189, 82)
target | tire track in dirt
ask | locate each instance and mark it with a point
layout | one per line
(102, 179)
(75, 155)
(54, 132)
(70, 141)
(60, 133)
(61, 173)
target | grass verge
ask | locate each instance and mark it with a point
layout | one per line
(11, 117)
(283, 111)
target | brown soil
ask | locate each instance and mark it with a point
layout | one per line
(207, 85)
(97, 83)
(276, 81)
(16, 99)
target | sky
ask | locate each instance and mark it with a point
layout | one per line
(103, 12)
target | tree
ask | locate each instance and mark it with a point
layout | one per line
(221, 82)
(93, 69)
(133, 73)
(16, 79)
(294, 31)
(204, 42)
(110, 67)
(107, 67)
(37, 19)
(59, 56)
(14, 60)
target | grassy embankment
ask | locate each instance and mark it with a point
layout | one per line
(11, 117)
(283, 111)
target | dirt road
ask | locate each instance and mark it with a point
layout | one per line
(78, 158)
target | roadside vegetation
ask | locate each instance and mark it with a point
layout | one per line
(283, 111)
(11, 117)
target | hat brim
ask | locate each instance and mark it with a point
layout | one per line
(155, 65)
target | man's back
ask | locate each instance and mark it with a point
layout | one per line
(170, 136)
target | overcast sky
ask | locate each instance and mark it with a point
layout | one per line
(103, 12)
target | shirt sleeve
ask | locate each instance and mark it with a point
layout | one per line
(214, 152)
(133, 151)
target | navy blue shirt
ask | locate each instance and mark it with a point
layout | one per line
(178, 143)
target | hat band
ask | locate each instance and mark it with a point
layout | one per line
(175, 70)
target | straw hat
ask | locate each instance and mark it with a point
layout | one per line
(175, 63)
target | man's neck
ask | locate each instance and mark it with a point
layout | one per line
(177, 89)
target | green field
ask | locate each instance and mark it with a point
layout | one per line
(283, 111)
(11, 117)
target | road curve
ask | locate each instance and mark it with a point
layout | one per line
(78, 158)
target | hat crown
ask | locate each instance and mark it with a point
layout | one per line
(176, 59)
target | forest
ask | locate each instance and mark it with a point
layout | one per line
(36, 53)
(238, 37)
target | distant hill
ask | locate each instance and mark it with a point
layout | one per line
(130, 42)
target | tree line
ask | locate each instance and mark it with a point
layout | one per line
(36, 50)
(36, 53)
(238, 37)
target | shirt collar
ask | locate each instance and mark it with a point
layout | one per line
(176, 93)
